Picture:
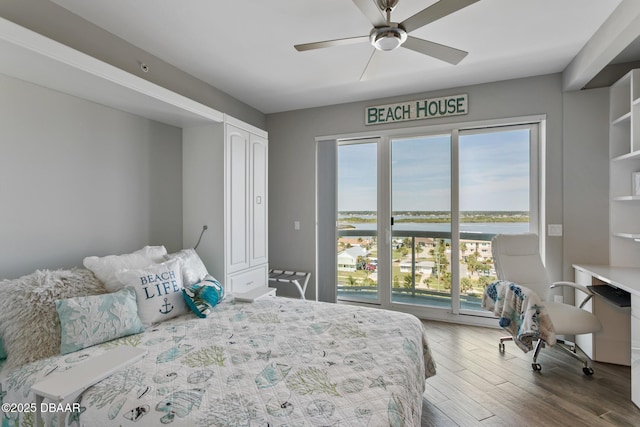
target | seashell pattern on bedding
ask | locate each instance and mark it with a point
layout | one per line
(276, 361)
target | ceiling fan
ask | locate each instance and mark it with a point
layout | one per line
(387, 35)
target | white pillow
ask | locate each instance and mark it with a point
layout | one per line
(158, 291)
(193, 269)
(105, 267)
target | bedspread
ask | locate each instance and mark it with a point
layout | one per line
(273, 362)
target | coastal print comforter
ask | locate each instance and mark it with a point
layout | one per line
(273, 362)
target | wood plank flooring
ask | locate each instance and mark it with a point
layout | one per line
(476, 385)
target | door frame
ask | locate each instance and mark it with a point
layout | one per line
(453, 313)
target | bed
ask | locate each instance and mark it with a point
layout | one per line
(272, 362)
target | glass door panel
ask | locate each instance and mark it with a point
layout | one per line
(495, 196)
(357, 276)
(421, 220)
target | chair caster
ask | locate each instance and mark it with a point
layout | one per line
(501, 347)
(536, 367)
(588, 370)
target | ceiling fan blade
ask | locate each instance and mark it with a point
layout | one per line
(367, 68)
(371, 10)
(330, 43)
(434, 12)
(435, 50)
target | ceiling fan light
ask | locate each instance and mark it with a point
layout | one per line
(387, 38)
(387, 42)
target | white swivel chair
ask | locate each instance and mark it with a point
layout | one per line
(517, 259)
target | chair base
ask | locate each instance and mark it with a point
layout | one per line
(569, 348)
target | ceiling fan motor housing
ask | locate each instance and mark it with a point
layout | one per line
(387, 38)
(385, 5)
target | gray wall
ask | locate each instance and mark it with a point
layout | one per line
(57, 23)
(78, 179)
(292, 150)
(292, 159)
(586, 178)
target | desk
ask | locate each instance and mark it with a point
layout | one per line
(621, 327)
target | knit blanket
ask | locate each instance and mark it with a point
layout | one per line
(521, 313)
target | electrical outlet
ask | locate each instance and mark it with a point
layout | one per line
(296, 225)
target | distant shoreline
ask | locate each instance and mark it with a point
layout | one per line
(437, 217)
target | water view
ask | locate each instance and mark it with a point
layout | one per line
(490, 193)
(421, 252)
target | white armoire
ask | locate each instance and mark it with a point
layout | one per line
(224, 184)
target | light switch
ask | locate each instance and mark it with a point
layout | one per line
(554, 230)
(296, 225)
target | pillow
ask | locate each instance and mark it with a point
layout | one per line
(86, 321)
(193, 269)
(202, 297)
(3, 354)
(158, 290)
(105, 267)
(29, 323)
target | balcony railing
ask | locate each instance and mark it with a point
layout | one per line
(411, 292)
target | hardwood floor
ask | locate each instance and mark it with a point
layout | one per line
(476, 385)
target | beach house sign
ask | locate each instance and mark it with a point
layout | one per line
(432, 108)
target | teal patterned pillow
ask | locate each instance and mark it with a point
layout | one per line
(203, 296)
(86, 321)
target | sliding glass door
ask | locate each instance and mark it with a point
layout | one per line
(357, 221)
(497, 194)
(421, 220)
(416, 213)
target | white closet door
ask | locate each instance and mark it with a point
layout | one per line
(237, 241)
(258, 242)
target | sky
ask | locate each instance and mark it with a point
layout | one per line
(494, 173)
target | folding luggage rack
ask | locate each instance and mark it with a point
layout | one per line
(299, 278)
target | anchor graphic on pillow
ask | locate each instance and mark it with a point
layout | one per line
(167, 307)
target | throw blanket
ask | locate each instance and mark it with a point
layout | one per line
(521, 313)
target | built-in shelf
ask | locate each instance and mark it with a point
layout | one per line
(624, 152)
(628, 156)
(625, 198)
(32, 57)
(624, 118)
(634, 236)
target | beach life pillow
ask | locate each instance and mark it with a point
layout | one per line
(90, 320)
(202, 297)
(106, 267)
(158, 289)
(193, 269)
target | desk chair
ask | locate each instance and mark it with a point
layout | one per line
(517, 259)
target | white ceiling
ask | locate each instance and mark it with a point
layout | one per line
(245, 47)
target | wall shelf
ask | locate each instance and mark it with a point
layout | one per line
(626, 198)
(633, 236)
(624, 118)
(629, 156)
(32, 57)
(624, 152)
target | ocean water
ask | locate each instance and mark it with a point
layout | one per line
(480, 227)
